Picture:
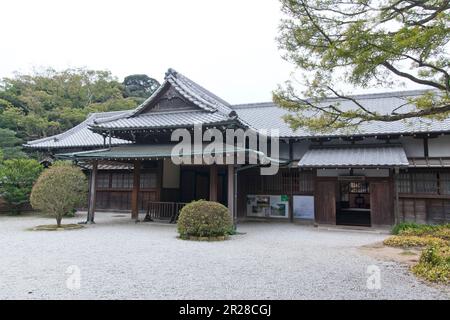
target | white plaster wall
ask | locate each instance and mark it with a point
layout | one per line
(439, 147)
(413, 147)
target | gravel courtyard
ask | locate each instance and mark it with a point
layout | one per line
(119, 259)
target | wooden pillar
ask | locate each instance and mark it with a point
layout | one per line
(92, 192)
(136, 187)
(213, 182)
(231, 203)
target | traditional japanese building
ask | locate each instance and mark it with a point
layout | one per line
(376, 175)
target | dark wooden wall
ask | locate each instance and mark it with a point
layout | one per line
(325, 201)
(114, 189)
(382, 202)
(424, 196)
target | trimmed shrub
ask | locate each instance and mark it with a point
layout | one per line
(412, 241)
(204, 219)
(434, 264)
(59, 190)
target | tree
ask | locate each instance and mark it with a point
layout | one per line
(139, 85)
(16, 180)
(49, 102)
(10, 145)
(59, 190)
(364, 43)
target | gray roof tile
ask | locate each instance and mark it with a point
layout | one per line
(78, 136)
(268, 116)
(370, 156)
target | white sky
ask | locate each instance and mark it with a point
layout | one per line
(227, 46)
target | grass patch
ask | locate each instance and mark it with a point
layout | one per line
(434, 262)
(412, 241)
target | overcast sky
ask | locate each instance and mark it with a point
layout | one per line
(227, 46)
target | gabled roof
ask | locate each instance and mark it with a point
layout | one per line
(210, 108)
(268, 115)
(78, 136)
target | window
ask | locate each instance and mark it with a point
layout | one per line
(148, 180)
(103, 180)
(424, 182)
(122, 180)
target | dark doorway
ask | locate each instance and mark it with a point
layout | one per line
(353, 205)
(194, 185)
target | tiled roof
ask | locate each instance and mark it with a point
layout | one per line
(268, 116)
(166, 120)
(212, 109)
(78, 136)
(370, 156)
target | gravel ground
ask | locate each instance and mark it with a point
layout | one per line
(119, 259)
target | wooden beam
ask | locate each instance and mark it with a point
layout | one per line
(213, 182)
(92, 192)
(231, 203)
(135, 192)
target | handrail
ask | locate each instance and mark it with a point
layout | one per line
(161, 210)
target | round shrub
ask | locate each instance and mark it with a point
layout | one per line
(204, 219)
(59, 190)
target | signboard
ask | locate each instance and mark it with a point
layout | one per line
(268, 206)
(304, 207)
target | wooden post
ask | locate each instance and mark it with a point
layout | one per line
(92, 192)
(135, 192)
(231, 203)
(213, 182)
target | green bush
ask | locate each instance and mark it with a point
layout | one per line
(401, 227)
(204, 219)
(423, 230)
(59, 190)
(412, 241)
(16, 180)
(434, 264)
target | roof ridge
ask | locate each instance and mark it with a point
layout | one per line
(375, 95)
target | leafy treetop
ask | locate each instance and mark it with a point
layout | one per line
(364, 43)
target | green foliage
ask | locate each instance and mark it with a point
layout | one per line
(422, 230)
(49, 102)
(363, 44)
(140, 85)
(204, 219)
(412, 241)
(16, 180)
(406, 226)
(10, 145)
(59, 190)
(434, 264)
